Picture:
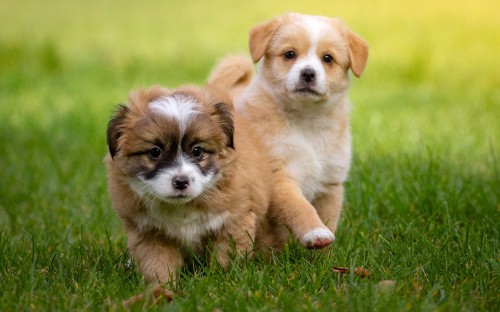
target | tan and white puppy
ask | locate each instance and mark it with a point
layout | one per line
(182, 176)
(298, 103)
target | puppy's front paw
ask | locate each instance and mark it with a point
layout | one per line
(318, 238)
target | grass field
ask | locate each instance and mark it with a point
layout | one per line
(422, 203)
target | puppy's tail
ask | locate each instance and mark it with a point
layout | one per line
(232, 74)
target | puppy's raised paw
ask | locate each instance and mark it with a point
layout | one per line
(318, 238)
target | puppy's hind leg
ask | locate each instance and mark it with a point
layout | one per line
(240, 231)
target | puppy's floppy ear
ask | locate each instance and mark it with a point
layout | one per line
(225, 119)
(358, 53)
(260, 36)
(115, 130)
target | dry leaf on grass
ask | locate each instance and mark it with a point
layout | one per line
(361, 272)
(150, 297)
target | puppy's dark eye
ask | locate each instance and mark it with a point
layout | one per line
(290, 55)
(327, 58)
(197, 152)
(154, 153)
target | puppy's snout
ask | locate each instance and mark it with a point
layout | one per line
(308, 74)
(180, 182)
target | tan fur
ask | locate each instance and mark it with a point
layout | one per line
(259, 36)
(276, 115)
(232, 71)
(244, 190)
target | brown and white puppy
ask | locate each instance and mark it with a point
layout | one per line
(298, 103)
(182, 173)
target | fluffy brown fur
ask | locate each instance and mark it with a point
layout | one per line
(303, 122)
(237, 201)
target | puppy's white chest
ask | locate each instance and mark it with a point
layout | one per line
(186, 225)
(314, 157)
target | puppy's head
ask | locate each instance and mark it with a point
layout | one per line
(171, 146)
(307, 57)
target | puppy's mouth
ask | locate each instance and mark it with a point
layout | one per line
(177, 199)
(307, 91)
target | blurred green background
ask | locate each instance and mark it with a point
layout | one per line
(429, 60)
(425, 124)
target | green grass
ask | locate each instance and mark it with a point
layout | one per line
(422, 202)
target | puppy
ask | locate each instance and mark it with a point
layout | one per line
(298, 104)
(185, 174)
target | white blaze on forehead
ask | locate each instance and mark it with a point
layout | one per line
(179, 107)
(319, 26)
(315, 26)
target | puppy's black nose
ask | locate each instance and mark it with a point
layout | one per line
(308, 74)
(180, 182)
